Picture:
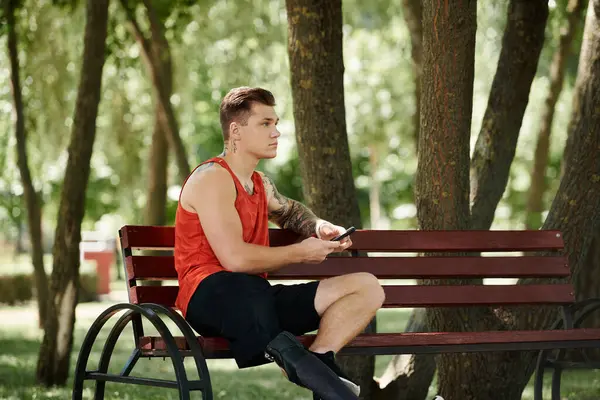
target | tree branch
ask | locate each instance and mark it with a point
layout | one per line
(495, 148)
(136, 30)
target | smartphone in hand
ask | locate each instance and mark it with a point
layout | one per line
(343, 235)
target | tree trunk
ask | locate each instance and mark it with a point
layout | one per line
(408, 376)
(442, 182)
(55, 351)
(578, 197)
(535, 201)
(317, 80)
(374, 188)
(317, 71)
(413, 15)
(157, 57)
(496, 144)
(156, 196)
(34, 212)
(589, 286)
(19, 245)
(575, 211)
(586, 117)
(495, 148)
(156, 207)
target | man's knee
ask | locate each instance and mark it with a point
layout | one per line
(371, 288)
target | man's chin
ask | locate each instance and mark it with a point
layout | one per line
(269, 155)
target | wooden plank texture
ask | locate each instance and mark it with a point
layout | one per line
(419, 296)
(216, 347)
(161, 268)
(133, 236)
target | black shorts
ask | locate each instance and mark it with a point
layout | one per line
(249, 312)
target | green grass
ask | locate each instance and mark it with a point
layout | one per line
(19, 345)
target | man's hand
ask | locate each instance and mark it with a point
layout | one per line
(314, 251)
(327, 231)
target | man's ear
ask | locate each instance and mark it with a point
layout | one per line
(234, 131)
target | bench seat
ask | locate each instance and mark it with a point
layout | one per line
(412, 343)
(446, 269)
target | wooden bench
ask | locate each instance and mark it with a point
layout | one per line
(156, 302)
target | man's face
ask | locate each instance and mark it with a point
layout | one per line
(259, 136)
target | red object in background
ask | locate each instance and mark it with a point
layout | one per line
(104, 261)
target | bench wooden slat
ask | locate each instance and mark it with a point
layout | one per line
(134, 236)
(445, 241)
(216, 347)
(419, 296)
(456, 296)
(161, 268)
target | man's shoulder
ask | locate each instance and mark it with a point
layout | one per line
(207, 178)
(265, 178)
(208, 172)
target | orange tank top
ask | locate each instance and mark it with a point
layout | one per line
(194, 258)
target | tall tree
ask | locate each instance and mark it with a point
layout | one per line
(497, 141)
(442, 182)
(55, 351)
(34, 210)
(157, 58)
(413, 15)
(589, 285)
(317, 80)
(156, 193)
(583, 131)
(575, 211)
(535, 202)
(494, 152)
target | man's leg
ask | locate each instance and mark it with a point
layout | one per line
(347, 304)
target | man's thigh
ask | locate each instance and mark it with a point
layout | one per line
(295, 305)
(225, 302)
(332, 289)
(240, 308)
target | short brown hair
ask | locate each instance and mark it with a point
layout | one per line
(237, 103)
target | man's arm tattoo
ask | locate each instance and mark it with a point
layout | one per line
(291, 214)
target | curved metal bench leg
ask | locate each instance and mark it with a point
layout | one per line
(109, 346)
(193, 344)
(176, 359)
(538, 387)
(131, 361)
(556, 376)
(586, 307)
(86, 348)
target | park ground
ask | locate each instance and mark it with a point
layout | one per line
(20, 339)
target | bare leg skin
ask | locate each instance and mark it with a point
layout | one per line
(346, 304)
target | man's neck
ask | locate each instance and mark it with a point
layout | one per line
(243, 165)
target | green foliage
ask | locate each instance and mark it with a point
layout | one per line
(217, 45)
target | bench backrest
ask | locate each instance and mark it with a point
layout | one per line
(517, 257)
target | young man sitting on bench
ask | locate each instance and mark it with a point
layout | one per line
(222, 257)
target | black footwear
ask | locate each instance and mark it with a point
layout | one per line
(305, 369)
(329, 360)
